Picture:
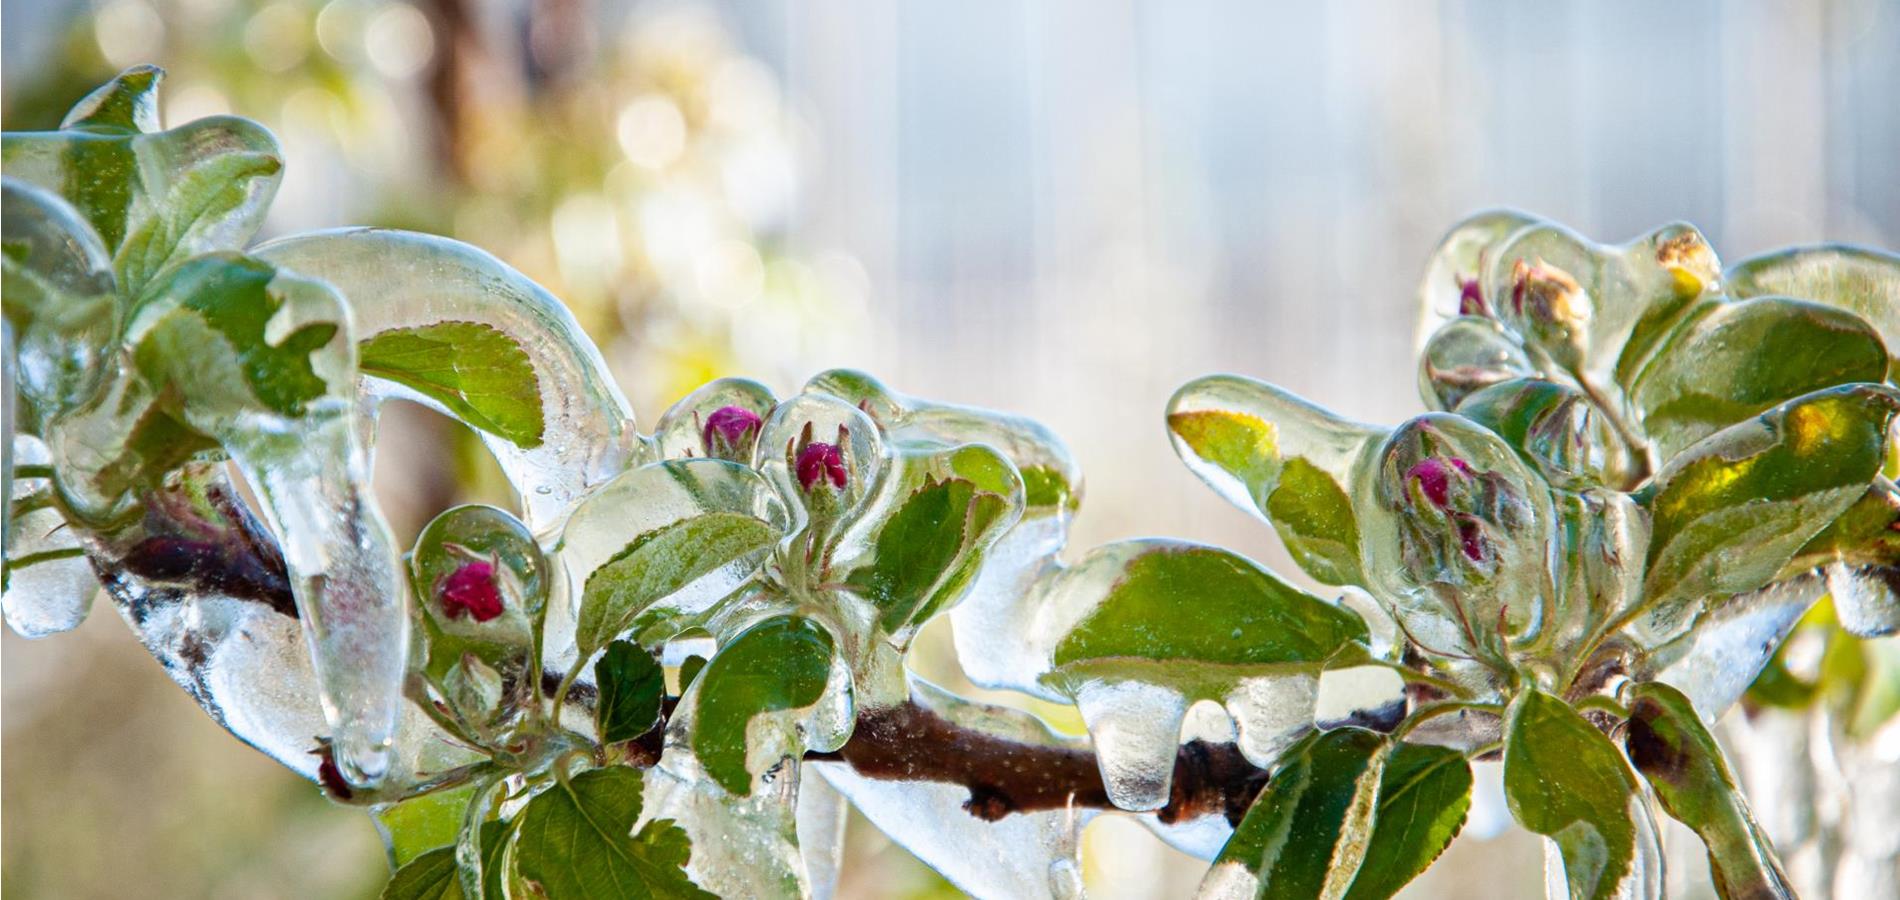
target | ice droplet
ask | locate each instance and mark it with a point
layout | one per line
(52, 595)
(1864, 598)
(1136, 728)
(1270, 713)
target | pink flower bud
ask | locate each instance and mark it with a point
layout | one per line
(1470, 298)
(1434, 477)
(729, 432)
(471, 589)
(820, 461)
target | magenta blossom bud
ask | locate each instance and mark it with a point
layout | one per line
(1434, 477)
(729, 433)
(1470, 298)
(471, 589)
(820, 462)
(331, 777)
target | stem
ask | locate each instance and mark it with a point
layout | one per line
(1432, 711)
(32, 470)
(567, 681)
(31, 559)
(1603, 704)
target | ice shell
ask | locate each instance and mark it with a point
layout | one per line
(398, 279)
(1864, 598)
(1714, 663)
(681, 430)
(821, 416)
(1460, 258)
(51, 596)
(1136, 729)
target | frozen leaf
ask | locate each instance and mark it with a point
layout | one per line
(662, 544)
(1282, 459)
(156, 198)
(780, 665)
(479, 373)
(1566, 781)
(1860, 280)
(1734, 360)
(1140, 629)
(577, 842)
(660, 563)
(1683, 763)
(936, 516)
(1164, 601)
(223, 322)
(631, 684)
(1298, 838)
(1730, 511)
(399, 280)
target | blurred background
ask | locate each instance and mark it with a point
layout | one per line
(1065, 209)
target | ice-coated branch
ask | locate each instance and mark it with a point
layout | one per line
(907, 741)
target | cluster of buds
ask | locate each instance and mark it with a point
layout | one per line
(730, 432)
(1449, 488)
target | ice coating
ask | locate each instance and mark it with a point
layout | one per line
(1864, 598)
(1466, 355)
(1451, 284)
(1135, 728)
(61, 301)
(688, 427)
(1467, 575)
(1292, 428)
(822, 814)
(55, 594)
(821, 418)
(1716, 662)
(404, 280)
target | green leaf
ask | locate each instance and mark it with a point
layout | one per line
(431, 876)
(418, 824)
(782, 663)
(631, 683)
(1303, 501)
(927, 552)
(1424, 793)
(1682, 761)
(1314, 518)
(477, 372)
(1862, 281)
(226, 303)
(660, 563)
(1240, 444)
(1180, 601)
(434, 876)
(1295, 839)
(1867, 534)
(1728, 513)
(1045, 487)
(1563, 779)
(1734, 360)
(689, 671)
(577, 842)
